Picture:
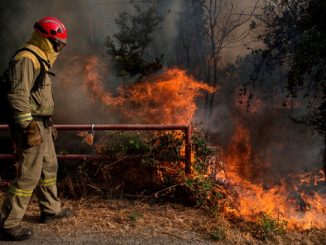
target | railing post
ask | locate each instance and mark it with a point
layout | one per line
(188, 150)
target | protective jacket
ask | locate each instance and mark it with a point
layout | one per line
(37, 163)
(26, 99)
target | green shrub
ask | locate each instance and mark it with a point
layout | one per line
(146, 163)
(217, 234)
(269, 226)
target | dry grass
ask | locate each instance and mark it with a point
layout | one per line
(120, 217)
(96, 217)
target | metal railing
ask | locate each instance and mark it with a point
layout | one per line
(125, 127)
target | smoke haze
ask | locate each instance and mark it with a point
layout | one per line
(89, 22)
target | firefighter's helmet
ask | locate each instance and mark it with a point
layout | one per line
(54, 30)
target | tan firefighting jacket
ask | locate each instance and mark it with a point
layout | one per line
(24, 69)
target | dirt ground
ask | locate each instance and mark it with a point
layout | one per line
(99, 221)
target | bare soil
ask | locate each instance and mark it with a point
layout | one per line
(99, 221)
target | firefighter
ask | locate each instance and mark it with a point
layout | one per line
(31, 103)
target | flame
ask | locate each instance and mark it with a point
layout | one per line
(161, 98)
(93, 84)
(241, 144)
(169, 97)
(293, 200)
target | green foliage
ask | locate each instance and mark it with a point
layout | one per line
(268, 226)
(151, 148)
(134, 216)
(201, 188)
(202, 151)
(204, 193)
(217, 234)
(123, 144)
(152, 160)
(127, 47)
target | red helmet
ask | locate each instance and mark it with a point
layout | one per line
(52, 28)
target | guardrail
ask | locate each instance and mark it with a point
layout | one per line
(125, 127)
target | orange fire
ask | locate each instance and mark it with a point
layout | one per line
(161, 98)
(169, 97)
(293, 200)
(93, 84)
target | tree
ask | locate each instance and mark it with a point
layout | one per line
(294, 37)
(133, 39)
(222, 21)
(190, 42)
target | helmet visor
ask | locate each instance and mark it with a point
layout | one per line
(57, 45)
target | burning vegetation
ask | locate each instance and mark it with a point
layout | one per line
(240, 173)
(297, 199)
(224, 181)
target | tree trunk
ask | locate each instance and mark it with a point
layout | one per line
(208, 78)
(211, 101)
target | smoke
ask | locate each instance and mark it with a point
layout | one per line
(276, 146)
(164, 38)
(89, 22)
(281, 147)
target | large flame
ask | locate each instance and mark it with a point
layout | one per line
(93, 84)
(168, 97)
(295, 199)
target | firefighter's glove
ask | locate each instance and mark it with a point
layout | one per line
(33, 134)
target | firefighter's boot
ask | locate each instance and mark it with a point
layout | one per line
(17, 233)
(64, 213)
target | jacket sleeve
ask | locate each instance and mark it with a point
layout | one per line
(22, 76)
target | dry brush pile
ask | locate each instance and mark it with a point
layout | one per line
(149, 167)
(144, 165)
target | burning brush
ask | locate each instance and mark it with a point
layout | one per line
(299, 197)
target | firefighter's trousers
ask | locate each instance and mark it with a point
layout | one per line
(37, 169)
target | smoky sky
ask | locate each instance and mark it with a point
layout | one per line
(89, 22)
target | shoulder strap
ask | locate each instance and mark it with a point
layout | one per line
(39, 58)
(40, 79)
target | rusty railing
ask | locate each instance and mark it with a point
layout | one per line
(125, 127)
